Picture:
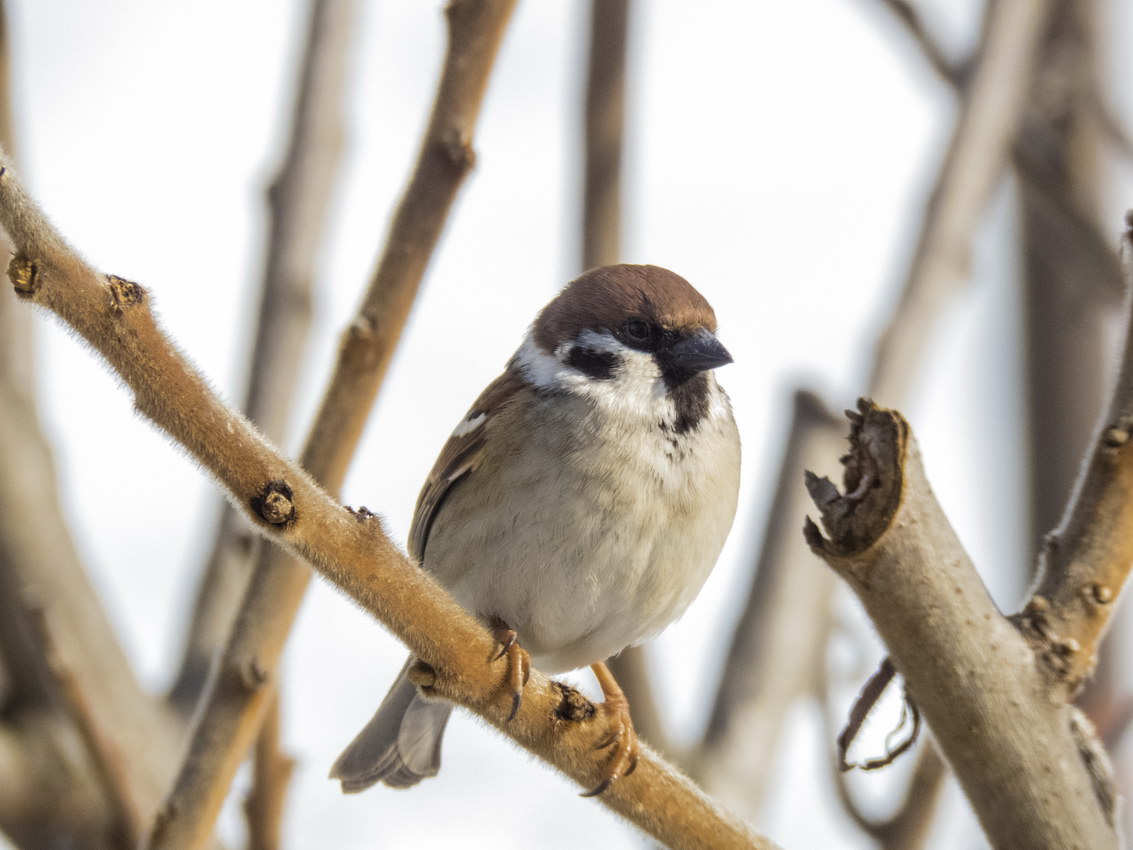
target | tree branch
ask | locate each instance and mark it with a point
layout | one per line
(776, 651)
(36, 550)
(224, 727)
(604, 133)
(981, 144)
(1013, 748)
(1084, 563)
(298, 199)
(104, 754)
(910, 19)
(271, 776)
(351, 550)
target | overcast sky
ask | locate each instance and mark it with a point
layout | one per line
(779, 156)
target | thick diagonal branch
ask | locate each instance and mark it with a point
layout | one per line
(973, 675)
(350, 550)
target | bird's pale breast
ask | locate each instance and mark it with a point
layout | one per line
(600, 537)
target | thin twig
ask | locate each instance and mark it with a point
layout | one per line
(909, 17)
(1084, 564)
(985, 131)
(604, 133)
(298, 197)
(784, 580)
(776, 651)
(105, 756)
(909, 827)
(271, 775)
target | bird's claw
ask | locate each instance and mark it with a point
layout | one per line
(620, 735)
(518, 662)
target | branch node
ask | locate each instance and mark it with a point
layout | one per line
(1115, 438)
(125, 293)
(253, 674)
(1100, 594)
(458, 150)
(421, 674)
(1038, 605)
(24, 275)
(573, 707)
(362, 514)
(162, 819)
(1067, 646)
(274, 505)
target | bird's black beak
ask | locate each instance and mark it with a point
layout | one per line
(699, 352)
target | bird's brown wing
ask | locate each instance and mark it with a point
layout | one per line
(460, 456)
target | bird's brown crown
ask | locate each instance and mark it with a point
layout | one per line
(603, 298)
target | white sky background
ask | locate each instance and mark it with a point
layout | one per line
(779, 155)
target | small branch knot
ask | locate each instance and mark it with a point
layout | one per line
(457, 147)
(362, 514)
(1101, 594)
(1115, 438)
(253, 674)
(573, 707)
(24, 275)
(125, 293)
(421, 674)
(274, 504)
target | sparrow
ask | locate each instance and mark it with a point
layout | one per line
(579, 506)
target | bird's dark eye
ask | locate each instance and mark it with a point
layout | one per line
(637, 330)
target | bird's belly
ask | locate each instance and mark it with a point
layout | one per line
(583, 565)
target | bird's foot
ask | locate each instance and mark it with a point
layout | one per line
(620, 736)
(518, 662)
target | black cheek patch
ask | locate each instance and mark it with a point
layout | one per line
(599, 365)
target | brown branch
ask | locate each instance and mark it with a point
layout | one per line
(604, 133)
(223, 730)
(350, 550)
(985, 131)
(1071, 282)
(271, 776)
(104, 754)
(1085, 562)
(1012, 746)
(775, 655)
(910, 19)
(37, 551)
(298, 199)
(791, 643)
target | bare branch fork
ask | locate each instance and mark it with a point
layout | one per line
(348, 549)
(781, 637)
(995, 690)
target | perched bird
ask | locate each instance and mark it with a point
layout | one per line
(579, 506)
